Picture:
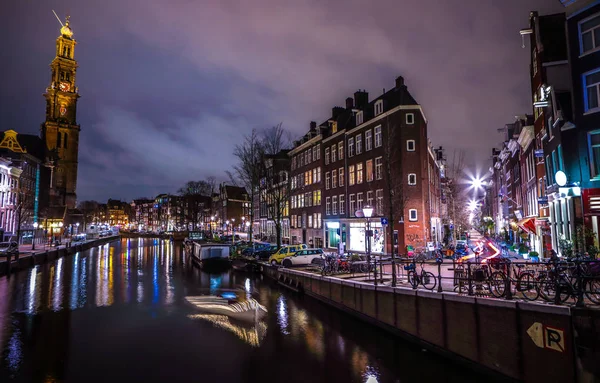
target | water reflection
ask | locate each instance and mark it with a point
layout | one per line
(89, 313)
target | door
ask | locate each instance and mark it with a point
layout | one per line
(300, 257)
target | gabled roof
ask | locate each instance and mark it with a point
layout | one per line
(235, 192)
(22, 143)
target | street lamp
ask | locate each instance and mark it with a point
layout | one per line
(367, 212)
(77, 226)
(35, 226)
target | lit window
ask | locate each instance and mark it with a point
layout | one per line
(378, 107)
(359, 173)
(591, 84)
(412, 215)
(359, 118)
(341, 175)
(378, 136)
(412, 179)
(589, 33)
(410, 145)
(351, 175)
(594, 143)
(369, 171)
(410, 118)
(341, 150)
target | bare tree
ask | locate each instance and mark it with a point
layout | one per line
(202, 187)
(90, 211)
(250, 169)
(456, 194)
(24, 211)
(276, 142)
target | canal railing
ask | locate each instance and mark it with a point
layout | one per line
(523, 340)
(575, 281)
(27, 260)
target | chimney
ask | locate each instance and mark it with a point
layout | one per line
(313, 126)
(361, 99)
(399, 82)
(349, 103)
(336, 111)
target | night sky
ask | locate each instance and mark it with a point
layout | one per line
(169, 87)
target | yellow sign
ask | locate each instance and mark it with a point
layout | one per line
(547, 337)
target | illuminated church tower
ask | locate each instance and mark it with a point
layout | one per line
(60, 131)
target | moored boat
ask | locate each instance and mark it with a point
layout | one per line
(208, 255)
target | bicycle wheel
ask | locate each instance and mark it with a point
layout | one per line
(592, 290)
(527, 285)
(413, 279)
(497, 284)
(428, 280)
(547, 288)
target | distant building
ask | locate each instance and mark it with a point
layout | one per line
(9, 191)
(230, 204)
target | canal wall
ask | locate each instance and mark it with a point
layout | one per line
(25, 261)
(519, 340)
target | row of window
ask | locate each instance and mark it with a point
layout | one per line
(306, 157)
(307, 178)
(310, 221)
(307, 199)
(360, 116)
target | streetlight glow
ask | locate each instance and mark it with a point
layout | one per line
(367, 211)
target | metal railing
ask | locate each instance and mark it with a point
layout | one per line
(558, 282)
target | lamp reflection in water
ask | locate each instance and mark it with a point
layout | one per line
(57, 291)
(32, 295)
(282, 315)
(243, 318)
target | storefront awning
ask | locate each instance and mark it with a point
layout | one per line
(528, 225)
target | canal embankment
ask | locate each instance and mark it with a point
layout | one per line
(31, 258)
(524, 341)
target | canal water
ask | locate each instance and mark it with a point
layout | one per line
(138, 311)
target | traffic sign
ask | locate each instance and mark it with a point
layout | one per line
(547, 337)
(451, 227)
(384, 221)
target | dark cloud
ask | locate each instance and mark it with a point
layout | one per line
(169, 87)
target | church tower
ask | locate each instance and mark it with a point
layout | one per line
(60, 131)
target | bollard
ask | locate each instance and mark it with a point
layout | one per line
(381, 272)
(470, 280)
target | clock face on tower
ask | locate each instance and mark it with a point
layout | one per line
(65, 86)
(63, 110)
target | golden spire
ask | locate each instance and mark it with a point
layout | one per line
(66, 30)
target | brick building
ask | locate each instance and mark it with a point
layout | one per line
(306, 217)
(356, 144)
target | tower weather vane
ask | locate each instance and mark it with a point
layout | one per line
(58, 18)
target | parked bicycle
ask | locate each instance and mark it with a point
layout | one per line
(425, 278)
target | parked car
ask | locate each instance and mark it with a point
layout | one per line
(8, 248)
(285, 252)
(303, 257)
(265, 252)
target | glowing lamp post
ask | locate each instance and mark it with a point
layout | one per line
(35, 226)
(233, 230)
(367, 212)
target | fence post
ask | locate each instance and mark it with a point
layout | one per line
(439, 264)
(470, 280)
(580, 285)
(381, 272)
(375, 270)
(507, 284)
